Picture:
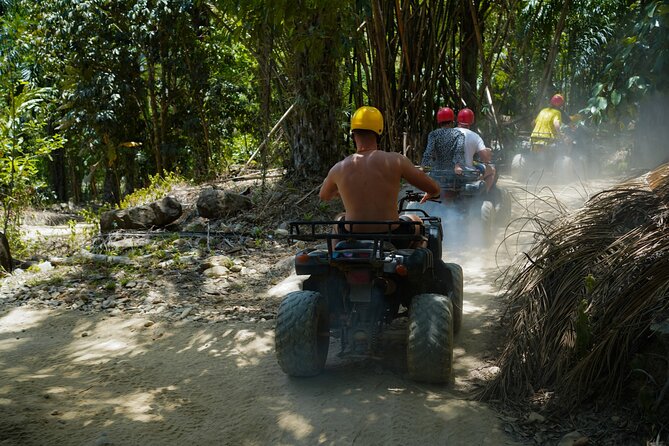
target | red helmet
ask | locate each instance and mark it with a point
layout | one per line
(557, 100)
(445, 114)
(466, 116)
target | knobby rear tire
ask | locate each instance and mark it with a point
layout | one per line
(430, 339)
(449, 282)
(302, 334)
(487, 222)
(457, 299)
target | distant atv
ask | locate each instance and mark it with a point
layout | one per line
(358, 287)
(467, 194)
(557, 161)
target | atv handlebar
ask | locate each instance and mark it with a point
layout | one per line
(412, 196)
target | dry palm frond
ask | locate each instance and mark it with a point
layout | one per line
(583, 302)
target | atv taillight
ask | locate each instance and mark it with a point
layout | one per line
(401, 270)
(302, 258)
(358, 277)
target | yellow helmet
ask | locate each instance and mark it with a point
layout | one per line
(367, 118)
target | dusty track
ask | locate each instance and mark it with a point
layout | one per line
(68, 378)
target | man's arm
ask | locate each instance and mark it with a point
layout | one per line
(419, 179)
(485, 155)
(329, 188)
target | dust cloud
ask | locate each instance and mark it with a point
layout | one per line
(651, 147)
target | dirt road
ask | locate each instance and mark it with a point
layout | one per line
(71, 378)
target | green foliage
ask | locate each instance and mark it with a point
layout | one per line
(23, 148)
(583, 329)
(145, 87)
(590, 283)
(50, 280)
(635, 63)
(19, 245)
(25, 139)
(159, 186)
(92, 218)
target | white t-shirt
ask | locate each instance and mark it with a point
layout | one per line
(473, 143)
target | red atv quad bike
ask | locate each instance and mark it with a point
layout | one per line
(357, 287)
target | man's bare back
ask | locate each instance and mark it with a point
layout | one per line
(368, 183)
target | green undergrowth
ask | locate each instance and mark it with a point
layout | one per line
(159, 186)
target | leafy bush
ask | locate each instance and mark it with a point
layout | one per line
(158, 187)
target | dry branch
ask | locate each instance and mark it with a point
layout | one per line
(100, 258)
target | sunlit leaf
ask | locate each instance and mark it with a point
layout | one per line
(632, 81)
(602, 103)
(615, 97)
(597, 89)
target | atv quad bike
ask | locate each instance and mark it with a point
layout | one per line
(467, 194)
(556, 159)
(358, 284)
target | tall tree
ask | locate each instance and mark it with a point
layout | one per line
(307, 54)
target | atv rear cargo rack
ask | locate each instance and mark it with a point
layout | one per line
(296, 233)
(309, 231)
(450, 181)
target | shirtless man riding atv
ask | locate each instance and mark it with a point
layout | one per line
(374, 269)
(368, 181)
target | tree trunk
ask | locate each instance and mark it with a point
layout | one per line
(111, 192)
(265, 68)
(5, 255)
(552, 55)
(165, 91)
(408, 67)
(58, 175)
(75, 179)
(383, 90)
(468, 57)
(314, 125)
(130, 174)
(155, 122)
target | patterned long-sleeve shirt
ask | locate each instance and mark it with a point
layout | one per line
(445, 148)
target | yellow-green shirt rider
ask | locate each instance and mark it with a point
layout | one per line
(547, 124)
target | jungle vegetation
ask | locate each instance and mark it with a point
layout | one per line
(101, 97)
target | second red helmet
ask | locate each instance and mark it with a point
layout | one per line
(445, 114)
(466, 116)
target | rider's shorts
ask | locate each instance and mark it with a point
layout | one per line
(540, 144)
